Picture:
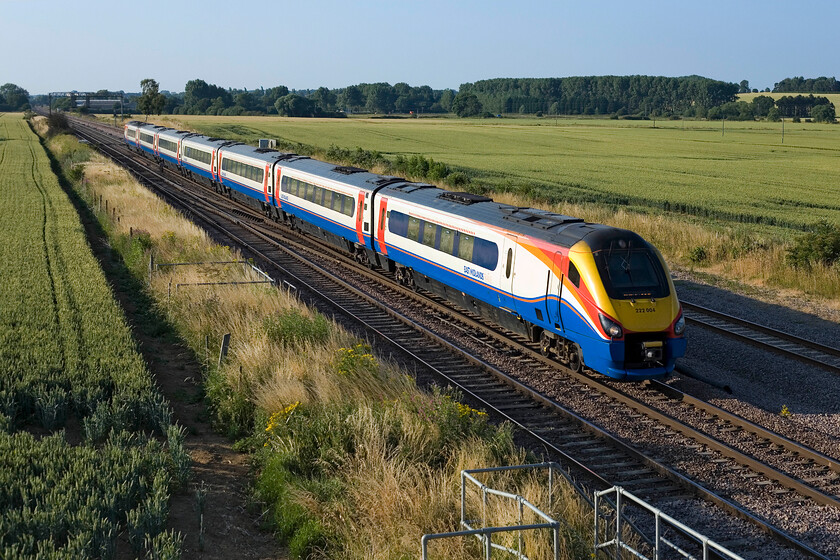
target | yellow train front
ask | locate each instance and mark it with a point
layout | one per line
(620, 311)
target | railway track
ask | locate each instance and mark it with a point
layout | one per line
(594, 455)
(774, 340)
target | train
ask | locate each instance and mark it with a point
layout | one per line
(590, 295)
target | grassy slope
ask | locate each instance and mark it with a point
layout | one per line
(746, 171)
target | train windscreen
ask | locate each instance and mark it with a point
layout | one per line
(632, 273)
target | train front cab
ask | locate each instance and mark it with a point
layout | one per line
(626, 317)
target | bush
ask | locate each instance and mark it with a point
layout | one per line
(58, 123)
(698, 255)
(820, 246)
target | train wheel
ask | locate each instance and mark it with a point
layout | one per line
(575, 358)
(546, 344)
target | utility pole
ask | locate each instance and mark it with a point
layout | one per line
(783, 130)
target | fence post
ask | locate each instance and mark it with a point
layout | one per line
(224, 349)
(151, 266)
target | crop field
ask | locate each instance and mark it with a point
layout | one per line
(748, 97)
(77, 472)
(733, 172)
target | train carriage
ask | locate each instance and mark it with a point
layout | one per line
(552, 278)
(199, 157)
(169, 146)
(147, 138)
(130, 133)
(247, 173)
(330, 201)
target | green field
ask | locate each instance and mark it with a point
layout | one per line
(733, 171)
(78, 465)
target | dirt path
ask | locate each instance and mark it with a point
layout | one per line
(230, 529)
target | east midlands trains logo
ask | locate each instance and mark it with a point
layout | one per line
(477, 274)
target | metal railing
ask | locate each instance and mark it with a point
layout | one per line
(485, 533)
(664, 525)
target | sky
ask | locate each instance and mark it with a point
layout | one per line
(50, 45)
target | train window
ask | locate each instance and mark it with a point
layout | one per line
(382, 218)
(509, 263)
(485, 254)
(349, 207)
(632, 273)
(574, 275)
(429, 234)
(167, 145)
(465, 247)
(413, 231)
(398, 223)
(447, 240)
(328, 198)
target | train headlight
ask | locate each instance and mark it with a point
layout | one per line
(679, 326)
(610, 327)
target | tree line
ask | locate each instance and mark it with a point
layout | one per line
(809, 85)
(616, 96)
(763, 106)
(603, 95)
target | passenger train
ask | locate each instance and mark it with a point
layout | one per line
(588, 293)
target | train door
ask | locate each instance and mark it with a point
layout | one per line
(178, 153)
(267, 183)
(213, 164)
(360, 217)
(554, 293)
(507, 283)
(278, 174)
(380, 226)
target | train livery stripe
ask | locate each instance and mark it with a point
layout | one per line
(265, 181)
(383, 211)
(360, 216)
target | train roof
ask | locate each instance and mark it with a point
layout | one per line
(262, 154)
(206, 141)
(172, 133)
(555, 228)
(352, 176)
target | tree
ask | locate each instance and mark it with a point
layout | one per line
(294, 105)
(761, 104)
(823, 113)
(466, 105)
(13, 98)
(744, 86)
(774, 115)
(324, 98)
(151, 101)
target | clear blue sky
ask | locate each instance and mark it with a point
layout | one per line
(90, 45)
